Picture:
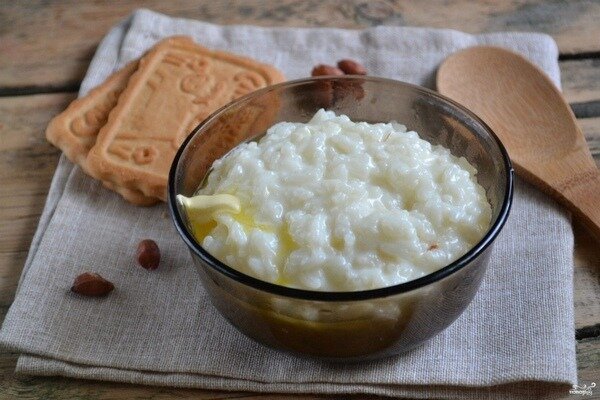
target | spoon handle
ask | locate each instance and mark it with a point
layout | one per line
(582, 193)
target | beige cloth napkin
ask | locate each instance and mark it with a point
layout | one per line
(514, 341)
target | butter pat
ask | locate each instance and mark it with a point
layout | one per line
(202, 209)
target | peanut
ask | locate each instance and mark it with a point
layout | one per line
(351, 67)
(148, 254)
(91, 284)
(324, 70)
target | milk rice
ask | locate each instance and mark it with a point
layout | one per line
(337, 205)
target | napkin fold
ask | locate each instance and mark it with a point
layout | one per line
(515, 340)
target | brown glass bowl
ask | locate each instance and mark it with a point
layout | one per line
(344, 325)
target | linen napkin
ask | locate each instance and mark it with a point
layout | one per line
(515, 340)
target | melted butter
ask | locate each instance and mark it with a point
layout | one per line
(282, 281)
(286, 244)
(246, 218)
(202, 210)
(337, 243)
(202, 229)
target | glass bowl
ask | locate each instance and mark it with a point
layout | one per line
(344, 325)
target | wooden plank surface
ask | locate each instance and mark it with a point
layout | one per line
(46, 46)
(581, 79)
(72, 29)
(27, 163)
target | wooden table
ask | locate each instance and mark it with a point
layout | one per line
(45, 49)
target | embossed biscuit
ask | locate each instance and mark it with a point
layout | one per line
(176, 86)
(74, 131)
(133, 196)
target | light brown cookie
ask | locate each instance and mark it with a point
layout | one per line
(135, 197)
(176, 86)
(74, 131)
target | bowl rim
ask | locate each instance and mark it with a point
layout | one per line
(329, 296)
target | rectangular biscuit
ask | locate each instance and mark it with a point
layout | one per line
(74, 131)
(176, 86)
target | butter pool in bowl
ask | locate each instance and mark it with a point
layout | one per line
(313, 292)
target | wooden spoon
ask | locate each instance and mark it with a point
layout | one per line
(533, 121)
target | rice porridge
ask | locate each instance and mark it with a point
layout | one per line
(337, 205)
